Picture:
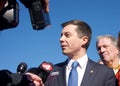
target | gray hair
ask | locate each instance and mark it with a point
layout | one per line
(113, 39)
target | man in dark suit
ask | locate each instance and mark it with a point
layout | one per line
(75, 39)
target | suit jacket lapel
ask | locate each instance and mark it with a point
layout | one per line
(62, 79)
(89, 73)
(62, 74)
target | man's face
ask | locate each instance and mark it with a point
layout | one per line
(106, 49)
(70, 41)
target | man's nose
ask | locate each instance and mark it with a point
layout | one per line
(61, 38)
(102, 49)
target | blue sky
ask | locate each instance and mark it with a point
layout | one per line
(23, 44)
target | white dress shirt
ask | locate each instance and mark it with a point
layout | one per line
(80, 69)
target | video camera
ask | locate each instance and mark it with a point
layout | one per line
(9, 14)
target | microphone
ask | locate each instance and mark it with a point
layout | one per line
(21, 68)
(19, 78)
(43, 71)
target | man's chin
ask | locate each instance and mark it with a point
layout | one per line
(106, 60)
(65, 53)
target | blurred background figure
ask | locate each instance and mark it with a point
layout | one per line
(118, 75)
(119, 41)
(108, 51)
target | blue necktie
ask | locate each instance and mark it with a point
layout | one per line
(73, 76)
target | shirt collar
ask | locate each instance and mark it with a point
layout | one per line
(82, 61)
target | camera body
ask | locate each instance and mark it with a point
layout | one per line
(9, 15)
(39, 18)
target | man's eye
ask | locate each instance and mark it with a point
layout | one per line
(67, 35)
(105, 46)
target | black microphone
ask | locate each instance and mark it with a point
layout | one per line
(43, 71)
(22, 67)
(19, 78)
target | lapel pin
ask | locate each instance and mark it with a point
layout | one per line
(91, 71)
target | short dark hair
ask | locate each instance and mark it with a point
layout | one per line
(83, 29)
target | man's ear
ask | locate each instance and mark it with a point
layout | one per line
(118, 51)
(85, 40)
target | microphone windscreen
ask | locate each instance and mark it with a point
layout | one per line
(21, 67)
(46, 66)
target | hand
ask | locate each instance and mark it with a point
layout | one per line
(35, 80)
(45, 5)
